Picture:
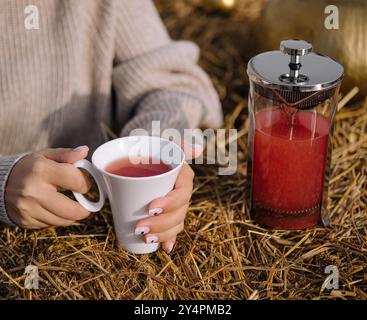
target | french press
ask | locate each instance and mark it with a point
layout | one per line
(292, 104)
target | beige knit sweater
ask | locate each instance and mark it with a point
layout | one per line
(92, 61)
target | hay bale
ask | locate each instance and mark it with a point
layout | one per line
(222, 254)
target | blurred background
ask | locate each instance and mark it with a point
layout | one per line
(230, 32)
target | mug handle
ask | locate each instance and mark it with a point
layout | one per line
(87, 204)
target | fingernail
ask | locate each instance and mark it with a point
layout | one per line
(170, 247)
(152, 239)
(81, 148)
(155, 211)
(141, 230)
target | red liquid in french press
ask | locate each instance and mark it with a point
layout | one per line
(292, 105)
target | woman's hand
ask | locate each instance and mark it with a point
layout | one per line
(31, 195)
(168, 213)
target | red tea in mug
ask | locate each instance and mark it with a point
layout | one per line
(138, 167)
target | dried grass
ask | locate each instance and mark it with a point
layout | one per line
(222, 254)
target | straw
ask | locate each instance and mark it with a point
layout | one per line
(222, 254)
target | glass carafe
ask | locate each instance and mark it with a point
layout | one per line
(292, 104)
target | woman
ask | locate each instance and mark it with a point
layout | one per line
(88, 62)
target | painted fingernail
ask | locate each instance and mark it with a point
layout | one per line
(152, 239)
(141, 230)
(155, 211)
(170, 247)
(81, 148)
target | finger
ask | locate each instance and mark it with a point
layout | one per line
(62, 155)
(35, 224)
(24, 220)
(168, 245)
(164, 236)
(46, 217)
(67, 176)
(178, 197)
(40, 217)
(62, 206)
(28, 223)
(162, 222)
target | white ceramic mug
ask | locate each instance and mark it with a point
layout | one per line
(129, 196)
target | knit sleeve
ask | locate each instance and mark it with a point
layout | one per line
(159, 78)
(6, 165)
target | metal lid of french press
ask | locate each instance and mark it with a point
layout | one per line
(295, 68)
